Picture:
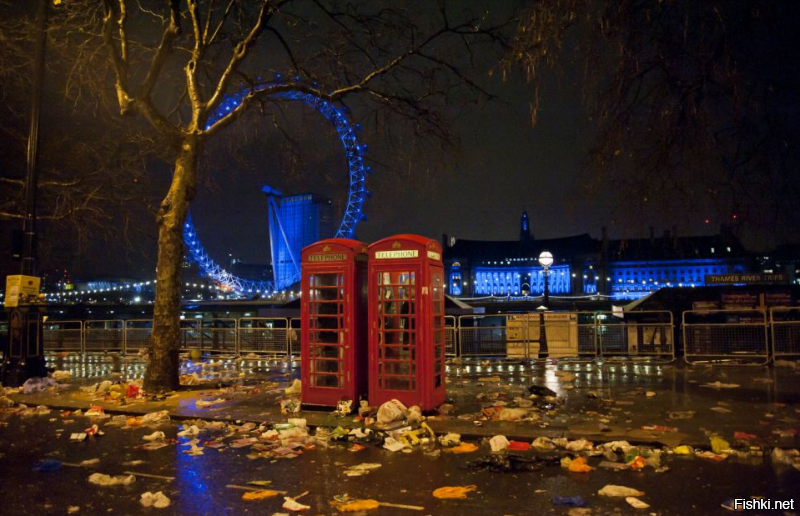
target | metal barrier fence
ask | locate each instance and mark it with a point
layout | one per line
(63, 335)
(722, 336)
(567, 335)
(450, 336)
(785, 329)
(726, 336)
(294, 336)
(263, 335)
(217, 335)
(483, 336)
(633, 335)
(137, 334)
(103, 335)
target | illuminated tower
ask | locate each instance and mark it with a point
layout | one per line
(294, 222)
(524, 228)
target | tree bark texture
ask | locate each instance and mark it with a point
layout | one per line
(163, 362)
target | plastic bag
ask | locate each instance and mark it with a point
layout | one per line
(719, 445)
(498, 443)
(390, 411)
(294, 389)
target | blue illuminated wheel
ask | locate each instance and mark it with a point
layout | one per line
(355, 199)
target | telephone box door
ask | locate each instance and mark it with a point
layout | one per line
(396, 332)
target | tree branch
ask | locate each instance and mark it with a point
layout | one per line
(240, 51)
(172, 31)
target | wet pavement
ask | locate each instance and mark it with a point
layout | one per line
(598, 402)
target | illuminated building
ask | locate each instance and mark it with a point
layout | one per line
(295, 222)
(621, 269)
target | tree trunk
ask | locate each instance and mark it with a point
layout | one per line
(163, 362)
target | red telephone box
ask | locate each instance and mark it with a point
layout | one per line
(333, 322)
(406, 321)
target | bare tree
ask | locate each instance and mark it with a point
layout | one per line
(693, 103)
(173, 65)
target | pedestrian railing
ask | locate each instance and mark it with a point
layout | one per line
(63, 335)
(486, 336)
(218, 336)
(450, 336)
(294, 336)
(626, 336)
(137, 334)
(784, 325)
(717, 336)
(727, 337)
(104, 335)
(263, 335)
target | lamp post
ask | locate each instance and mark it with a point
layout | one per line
(545, 260)
(23, 354)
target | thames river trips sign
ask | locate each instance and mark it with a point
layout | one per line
(745, 279)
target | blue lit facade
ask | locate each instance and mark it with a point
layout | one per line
(517, 281)
(295, 222)
(620, 269)
(357, 194)
(629, 280)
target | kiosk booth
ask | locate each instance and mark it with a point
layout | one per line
(333, 322)
(406, 321)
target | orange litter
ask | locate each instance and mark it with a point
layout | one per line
(459, 492)
(579, 466)
(462, 448)
(359, 505)
(260, 494)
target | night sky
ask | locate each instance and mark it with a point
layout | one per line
(501, 166)
(504, 166)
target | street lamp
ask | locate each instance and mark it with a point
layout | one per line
(545, 260)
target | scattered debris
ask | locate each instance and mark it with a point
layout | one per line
(291, 504)
(636, 503)
(155, 436)
(720, 385)
(260, 494)
(361, 469)
(498, 443)
(463, 447)
(391, 411)
(61, 375)
(570, 501)
(157, 500)
(539, 390)
(454, 492)
(512, 463)
(294, 389)
(209, 403)
(619, 491)
(101, 479)
(579, 466)
(47, 465)
(719, 445)
(38, 384)
(682, 414)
